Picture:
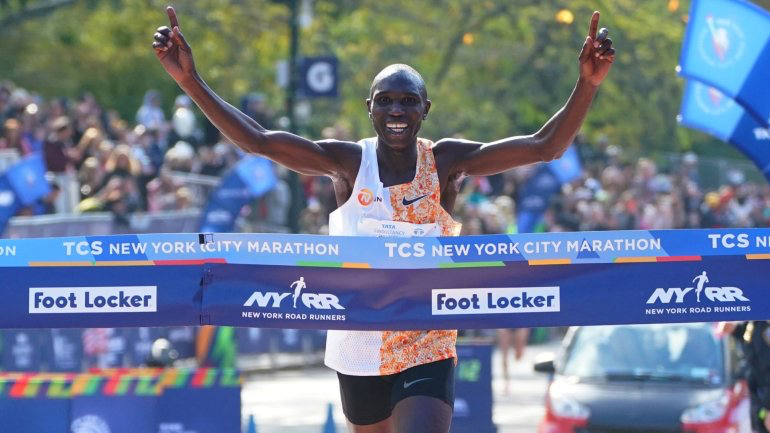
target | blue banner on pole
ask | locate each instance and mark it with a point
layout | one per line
(727, 45)
(707, 109)
(27, 177)
(9, 202)
(547, 180)
(250, 179)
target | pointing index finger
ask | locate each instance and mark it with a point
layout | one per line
(172, 17)
(592, 28)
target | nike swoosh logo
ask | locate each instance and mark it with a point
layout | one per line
(406, 202)
(408, 384)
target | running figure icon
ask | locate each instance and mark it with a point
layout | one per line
(300, 285)
(700, 280)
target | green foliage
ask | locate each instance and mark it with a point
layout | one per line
(493, 68)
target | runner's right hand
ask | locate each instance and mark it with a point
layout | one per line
(172, 50)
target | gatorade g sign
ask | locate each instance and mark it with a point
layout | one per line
(318, 77)
(127, 299)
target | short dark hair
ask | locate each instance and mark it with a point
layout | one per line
(400, 68)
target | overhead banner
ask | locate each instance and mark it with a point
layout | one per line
(707, 109)
(326, 282)
(727, 45)
(95, 282)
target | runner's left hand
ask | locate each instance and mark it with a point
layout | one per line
(597, 55)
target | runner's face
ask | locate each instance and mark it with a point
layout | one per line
(397, 108)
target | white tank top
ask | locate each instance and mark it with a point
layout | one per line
(405, 210)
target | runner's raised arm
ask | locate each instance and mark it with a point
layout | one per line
(463, 157)
(329, 158)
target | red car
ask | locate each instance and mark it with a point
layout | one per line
(663, 378)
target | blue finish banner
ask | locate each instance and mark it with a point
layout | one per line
(707, 109)
(99, 296)
(325, 282)
(727, 45)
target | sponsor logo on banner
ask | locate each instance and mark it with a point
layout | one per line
(270, 299)
(124, 299)
(721, 42)
(698, 298)
(496, 300)
(293, 305)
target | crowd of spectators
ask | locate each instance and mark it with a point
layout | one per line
(613, 192)
(98, 161)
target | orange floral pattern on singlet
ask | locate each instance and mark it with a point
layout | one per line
(419, 202)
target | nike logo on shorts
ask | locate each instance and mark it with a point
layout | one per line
(408, 384)
(406, 202)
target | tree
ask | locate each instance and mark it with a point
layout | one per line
(492, 68)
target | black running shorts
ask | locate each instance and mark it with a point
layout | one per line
(370, 399)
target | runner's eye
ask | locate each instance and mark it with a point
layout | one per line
(410, 100)
(383, 100)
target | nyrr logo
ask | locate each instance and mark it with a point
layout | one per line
(722, 42)
(713, 293)
(319, 301)
(366, 197)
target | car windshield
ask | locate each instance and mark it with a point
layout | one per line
(666, 352)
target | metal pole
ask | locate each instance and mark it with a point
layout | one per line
(297, 198)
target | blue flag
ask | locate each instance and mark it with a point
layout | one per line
(535, 197)
(727, 46)
(27, 177)
(567, 168)
(709, 110)
(250, 179)
(9, 202)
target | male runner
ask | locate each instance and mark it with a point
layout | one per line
(395, 184)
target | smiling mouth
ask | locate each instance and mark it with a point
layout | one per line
(396, 127)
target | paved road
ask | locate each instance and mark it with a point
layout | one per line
(297, 401)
